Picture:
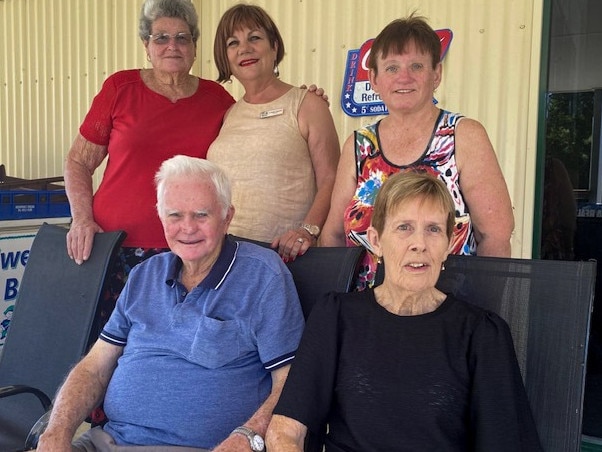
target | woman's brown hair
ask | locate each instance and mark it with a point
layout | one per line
(396, 36)
(235, 18)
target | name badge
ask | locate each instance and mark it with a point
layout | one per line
(270, 113)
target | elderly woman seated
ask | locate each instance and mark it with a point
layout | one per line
(404, 366)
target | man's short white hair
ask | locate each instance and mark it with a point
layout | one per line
(183, 165)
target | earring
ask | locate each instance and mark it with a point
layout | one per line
(442, 266)
(276, 71)
(147, 57)
(379, 259)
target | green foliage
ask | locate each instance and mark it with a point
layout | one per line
(569, 134)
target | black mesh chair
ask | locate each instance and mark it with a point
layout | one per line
(547, 305)
(49, 331)
(316, 273)
(322, 270)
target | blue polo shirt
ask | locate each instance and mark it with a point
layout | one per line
(197, 364)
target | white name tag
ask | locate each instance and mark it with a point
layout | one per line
(270, 113)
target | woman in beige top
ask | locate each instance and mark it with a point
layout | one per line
(278, 146)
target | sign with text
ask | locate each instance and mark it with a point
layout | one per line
(358, 98)
(14, 252)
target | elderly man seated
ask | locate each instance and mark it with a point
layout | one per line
(198, 348)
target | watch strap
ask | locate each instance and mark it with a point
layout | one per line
(312, 230)
(250, 434)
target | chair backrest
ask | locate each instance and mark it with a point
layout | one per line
(324, 269)
(49, 330)
(547, 305)
(316, 273)
(321, 270)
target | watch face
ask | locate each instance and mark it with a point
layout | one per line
(312, 229)
(257, 443)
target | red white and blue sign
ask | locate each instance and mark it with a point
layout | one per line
(358, 98)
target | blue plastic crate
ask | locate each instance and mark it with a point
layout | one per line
(24, 204)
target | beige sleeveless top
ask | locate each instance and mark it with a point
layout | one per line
(268, 163)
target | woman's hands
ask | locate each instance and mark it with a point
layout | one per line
(80, 240)
(317, 91)
(293, 243)
(83, 158)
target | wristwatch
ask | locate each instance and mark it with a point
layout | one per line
(312, 229)
(255, 440)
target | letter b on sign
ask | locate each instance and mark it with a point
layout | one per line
(10, 290)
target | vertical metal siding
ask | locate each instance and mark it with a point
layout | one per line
(55, 54)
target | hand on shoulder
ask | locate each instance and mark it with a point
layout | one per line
(319, 92)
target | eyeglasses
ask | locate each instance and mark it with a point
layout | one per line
(164, 38)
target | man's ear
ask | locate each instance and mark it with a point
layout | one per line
(229, 216)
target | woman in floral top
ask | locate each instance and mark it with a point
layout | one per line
(405, 69)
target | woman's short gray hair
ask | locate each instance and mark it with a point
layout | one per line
(182, 166)
(180, 9)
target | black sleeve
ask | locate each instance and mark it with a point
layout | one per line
(307, 393)
(500, 415)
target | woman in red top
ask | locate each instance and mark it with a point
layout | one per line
(139, 119)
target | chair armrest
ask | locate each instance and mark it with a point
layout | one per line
(36, 431)
(8, 391)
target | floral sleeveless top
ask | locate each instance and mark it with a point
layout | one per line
(373, 169)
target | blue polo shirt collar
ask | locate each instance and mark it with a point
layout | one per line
(218, 272)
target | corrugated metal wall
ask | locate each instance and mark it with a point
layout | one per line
(55, 54)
